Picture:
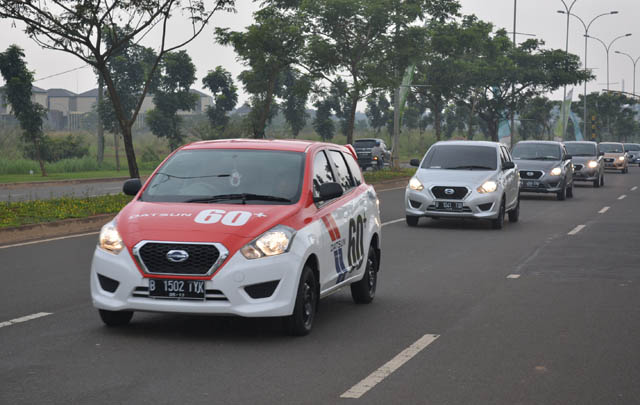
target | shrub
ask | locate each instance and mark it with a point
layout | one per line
(59, 148)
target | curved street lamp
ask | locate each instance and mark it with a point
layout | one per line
(634, 61)
(607, 48)
(566, 50)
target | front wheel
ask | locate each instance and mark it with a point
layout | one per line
(300, 322)
(412, 220)
(498, 223)
(570, 191)
(562, 194)
(115, 318)
(514, 214)
(364, 291)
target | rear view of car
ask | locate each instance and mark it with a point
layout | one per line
(615, 158)
(633, 152)
(545, 167)
(464, 179)
(588, 162)
(371, 152)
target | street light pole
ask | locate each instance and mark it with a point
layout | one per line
(607, 48)
(586, 33)
(564, 113)
(634, 61)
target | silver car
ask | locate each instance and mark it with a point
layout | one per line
(588, 162)
(633, 151)
(464, 179)
(545, 167)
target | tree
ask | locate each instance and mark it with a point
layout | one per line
(269, 48)
(378, 111)
(323, 124)
(535, 118)
(225, 97)
(76, 27)
(171, 94)
(295, 92)
(17, 91)
(615, 116)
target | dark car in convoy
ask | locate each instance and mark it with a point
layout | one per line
(545, 167)
(372, 152)
(588, 162)
(633, 152)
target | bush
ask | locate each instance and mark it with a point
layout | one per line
(58, 148)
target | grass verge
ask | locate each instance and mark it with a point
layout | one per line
(103, 174)
(387, 174)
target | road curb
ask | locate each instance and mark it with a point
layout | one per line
(45, 230)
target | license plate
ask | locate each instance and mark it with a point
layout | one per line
(448, 206)
(531, 184)
(177, 289)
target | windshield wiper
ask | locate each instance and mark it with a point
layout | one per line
(544, 158)
(193, 177)
(240, 196)
(469, 167)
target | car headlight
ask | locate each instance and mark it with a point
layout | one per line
(592, 164)
(621, 158)
(414, 184)
(488, 187)
(110, 239)
(375, 158)
(557, 171)
(275, 241)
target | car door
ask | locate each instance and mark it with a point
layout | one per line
(511, 181)
(567, 165)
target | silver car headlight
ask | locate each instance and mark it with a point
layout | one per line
(110, 239)
(557, 171)
(414, 184)
(592, 164)
(488, 187)
(275, 241)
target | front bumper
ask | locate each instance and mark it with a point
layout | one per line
(547, 184)
(615, 165)
(475, 205)
(586, 174)
(230, 281)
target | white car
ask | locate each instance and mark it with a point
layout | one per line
(464, 179)
(241, 227)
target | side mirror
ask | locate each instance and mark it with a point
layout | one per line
(508, 165)
(131, 186)
(414, 162)
(567, 157)
(328, 191)
(600, 153)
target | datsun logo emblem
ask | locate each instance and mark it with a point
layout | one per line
(449, 191)
(177, 256)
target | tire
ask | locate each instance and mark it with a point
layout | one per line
(364, 291)
(115, 318)
(498, 223)
(412, 220)
(300, 322)
(570, 191)
(602, 180)
(562, 194)
(514, 214)
(597, 182)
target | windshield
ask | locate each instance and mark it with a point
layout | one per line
(366, 143)
(581, 149)
(611, 148)
(631, 146)
(228, 176)
(536, 151)
(461, 157)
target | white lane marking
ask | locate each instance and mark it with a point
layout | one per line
(605, 209)
(634, 188)
(390, 189)
(392, 365)
(513, 276)
(622, 197)
(392, 222)
(49, 240)
(576, 229)
(24, 319)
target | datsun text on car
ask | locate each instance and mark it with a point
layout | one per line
(241, 227)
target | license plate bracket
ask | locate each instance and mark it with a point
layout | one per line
(177, 289)
(449, 206)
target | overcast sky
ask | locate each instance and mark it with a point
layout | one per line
(537, 17)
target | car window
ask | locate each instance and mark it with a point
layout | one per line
(581, 149)
(356, 174)
(536, 151)
(503, 155)
(461, 157)
(341, 169)
(365, 143)
(322, 172)
(611, 148)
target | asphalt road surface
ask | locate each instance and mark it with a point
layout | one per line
(545, 311)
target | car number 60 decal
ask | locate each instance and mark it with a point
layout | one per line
(231, 218)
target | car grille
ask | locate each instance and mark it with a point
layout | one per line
(458, 192)
(609, 160)
(578, 167)
(210, 295)
(433, 208)
(530, 174)
(202, 257)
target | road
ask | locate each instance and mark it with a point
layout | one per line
(545, 311)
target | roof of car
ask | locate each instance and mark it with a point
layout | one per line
(542, 142)
(368, 139)
(614, 143)
(472, 143)
(290, 145)
(589, 142)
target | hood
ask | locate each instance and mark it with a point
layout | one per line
(544, 165)
(440, 177)
(582, 160)
(613, 154)
(228, 224)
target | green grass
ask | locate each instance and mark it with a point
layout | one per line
(387, 174)
(39, 211)
(99, 174)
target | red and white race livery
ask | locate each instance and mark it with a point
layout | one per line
(255, 228)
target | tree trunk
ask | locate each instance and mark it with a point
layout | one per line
(259, 130)
(437, 116)
(492, 125)
(115, 147)
(470, 122)
(100, 153)
(36, 145)
(352, 118)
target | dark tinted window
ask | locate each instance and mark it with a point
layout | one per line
(581, 149)
(536, 151)
(354, 168)
(611, 148)
(321, 172)
(344, 177)
(365, 143)
(461, 157)
(208, 173)
(631, 146)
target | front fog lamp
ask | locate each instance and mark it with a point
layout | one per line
(414, 184)
(621, 158)
(557, 171)
(110, 239)
(488, 187)
(592, 164)
(271, 243)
